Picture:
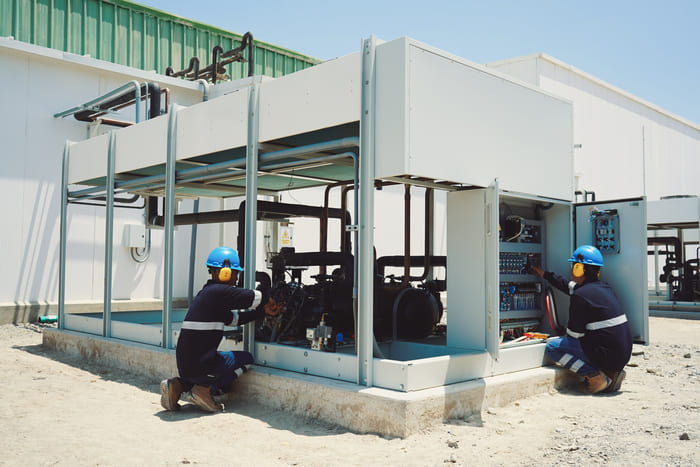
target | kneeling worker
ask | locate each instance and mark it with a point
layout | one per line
(598, 340)
(203, 370)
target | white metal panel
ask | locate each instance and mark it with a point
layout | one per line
(466, 295)
(470, 125)
(322, 96)
(330, 365)
(391, 123)
(88, 159)
(140, 145)
(520, 358)
(674, 211)
(625, 271)
(211, 126)
(85, 324)
(137, 332)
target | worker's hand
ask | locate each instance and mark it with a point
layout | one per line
(272, 308)
(536, 271)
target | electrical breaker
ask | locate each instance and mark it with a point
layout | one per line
(606, 230)
(520, 293)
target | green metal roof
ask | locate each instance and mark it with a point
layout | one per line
(127, 33)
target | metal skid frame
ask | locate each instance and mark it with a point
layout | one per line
(417, 366)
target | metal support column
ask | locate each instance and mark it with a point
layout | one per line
(169, 223)
(109, 235)
(63, 239)
(251, 204)
(430, 204)
(366, 219)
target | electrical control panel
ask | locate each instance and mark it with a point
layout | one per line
(606, 231)
(520, 292)
(517, 263)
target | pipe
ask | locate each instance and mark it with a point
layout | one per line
(428, 233)
(88, 105)
(344, 202)
(673, 241)
(205, 89)
(246, 41)
(406, 236)
(193, 250)
(195, 173)
(194, 65)
(283, 210)
(414, 261)
(248, 38)
(214, 62)
(151, 92)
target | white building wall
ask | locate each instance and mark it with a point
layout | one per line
(36, 83)
(628, 147)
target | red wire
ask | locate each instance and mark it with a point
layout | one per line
(549, 313)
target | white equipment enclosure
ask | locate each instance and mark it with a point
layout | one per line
(395, 113)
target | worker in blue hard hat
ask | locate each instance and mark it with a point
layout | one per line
(598, 340)
(204, 371)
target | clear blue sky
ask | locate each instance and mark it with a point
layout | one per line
(648, 48)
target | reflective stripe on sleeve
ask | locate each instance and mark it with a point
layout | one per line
(572, 286)
(203, 326)
(608, 323)
(574, 334)
(257, 300)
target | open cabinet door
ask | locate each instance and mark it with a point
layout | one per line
(493, 331)
(619, 230)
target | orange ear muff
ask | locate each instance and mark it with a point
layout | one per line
(577, 270)
(224, 274)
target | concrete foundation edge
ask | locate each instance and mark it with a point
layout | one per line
(360, 409)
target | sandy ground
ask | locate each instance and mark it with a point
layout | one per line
(59, 410)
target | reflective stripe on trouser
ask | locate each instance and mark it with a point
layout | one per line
(567, 352)
(231, 365)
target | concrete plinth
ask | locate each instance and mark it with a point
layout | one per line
(358, 408)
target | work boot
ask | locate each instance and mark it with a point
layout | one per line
(616, 378)
(596, 383)
(201, 397)
(170, 390)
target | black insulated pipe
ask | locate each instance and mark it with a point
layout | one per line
(152, 89)
(236, 54)
(193, 68)
(271, 210)
(215, 62)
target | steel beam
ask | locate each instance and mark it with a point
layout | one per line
(251, 212)
(366, 219)
(169, 223)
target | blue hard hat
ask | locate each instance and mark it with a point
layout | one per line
(220, 255)
(587, 254)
